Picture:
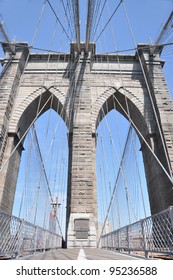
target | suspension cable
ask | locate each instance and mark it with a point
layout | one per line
(44, 170)
(77, 23)
(38, 24)
(127, 195)
(91, 4)
(96, 14)
(144, 140)
(116, 9)
(23, 136)
(165, 28)
(125, 185)
(68, 19)
(101, 13)
(110, 52)
(58, 20)
(151, 100)
(115, 184)
(41, 109)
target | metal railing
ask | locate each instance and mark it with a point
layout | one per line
(153, 234)
(19, 237)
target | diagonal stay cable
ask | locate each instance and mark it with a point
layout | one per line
(96, 13)
(149, 88)
(110, 52)
(144, 140)
(59, 20)
(115, 184)
(101, 13)
(67, 16)
(45, 174)
(116, 9)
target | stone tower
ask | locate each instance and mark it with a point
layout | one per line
(80, 87)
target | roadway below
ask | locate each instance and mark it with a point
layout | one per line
(79, 254)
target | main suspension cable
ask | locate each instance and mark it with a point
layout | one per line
(151, 100)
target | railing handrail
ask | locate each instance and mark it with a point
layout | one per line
(18, 236)
(141, 220)
(151, 234)
(29, 223)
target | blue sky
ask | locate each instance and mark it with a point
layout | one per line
(146, 17)
(21, 18)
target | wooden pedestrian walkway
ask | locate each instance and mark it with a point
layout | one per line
(79, 254)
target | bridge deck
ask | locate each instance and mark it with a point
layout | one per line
(79, 254)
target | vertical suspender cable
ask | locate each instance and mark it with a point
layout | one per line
(151, 99)
(44, 170)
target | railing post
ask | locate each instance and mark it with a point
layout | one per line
(35, 245)
(20, 242)
(111, 240)
(44, 249)
(112, 235)
(144, 239)
(128, 239)
(171, 216)
(118, 237)
(171, 219)
(53, 244)
(102, 243)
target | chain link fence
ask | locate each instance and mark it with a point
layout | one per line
(18, 237)
(151, 235)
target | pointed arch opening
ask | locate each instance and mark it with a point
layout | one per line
(42, 182)
(125, 115)
(40, 158)
(121, 183)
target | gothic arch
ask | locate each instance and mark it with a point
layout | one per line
(33, 106)
(85, 111)
(143, 122)
(126, 103)
(23, 115)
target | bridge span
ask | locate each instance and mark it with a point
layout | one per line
(85, 182)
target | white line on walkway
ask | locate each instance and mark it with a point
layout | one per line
(81, 255)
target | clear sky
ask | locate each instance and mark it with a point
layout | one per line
(23, 23)
(21, 18)
(147, 17)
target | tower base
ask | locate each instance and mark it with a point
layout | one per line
(81, 231)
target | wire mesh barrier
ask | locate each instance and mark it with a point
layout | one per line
(151, 235)
(19, 237)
